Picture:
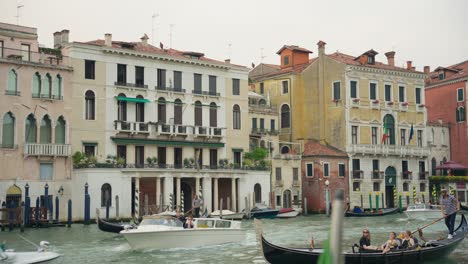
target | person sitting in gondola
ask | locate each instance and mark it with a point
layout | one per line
(391, 244)
(189, 222)
(408, 241)
(365, 241)
(357, 210)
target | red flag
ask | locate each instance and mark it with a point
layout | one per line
(385, 133)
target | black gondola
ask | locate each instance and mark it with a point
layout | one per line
(277, 254)
(381, 212)
(463, 207)
(111, 227)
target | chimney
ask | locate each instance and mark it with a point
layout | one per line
(427, 69)
(390, 58)
(57, 39)
(64, 38)
(228, 61)
(108, 39)
(409, 65)
(363, 59)
(321, 47)
(144, 39)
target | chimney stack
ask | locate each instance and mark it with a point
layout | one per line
(108, 39)
(57, 39)
(64, 39)
(427, 69)
(144, 39)
(321, 47)
(409, 65)
(228, 61)
(390, 58)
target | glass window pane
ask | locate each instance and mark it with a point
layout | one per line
(46, 171)
(8, 131)
(12, 81)
(60, 132)
(45, 132)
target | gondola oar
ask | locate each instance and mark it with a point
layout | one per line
(433, 222)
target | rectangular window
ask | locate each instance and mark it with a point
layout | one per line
(1, 48)
(178, 158)
(388, 93)
(356, 186)
(375, 165)
(197, 83)
(212, 85)
(272, 125)
(161, 82)
(354, 132)
(254, 123)
(420, 138)
(213, 158)
(122, 152)
(326, 169)
(309, 170)
(90, 150)
(285, 86)
(262, 88)
(353, 85)
(336, 91)
(46, 171)
(373, 91)
(139, 76)
(278, 174)
(374, 135)
(237, 158)
(401, 94)
(139, 156)
(295, 174)
(278, 200)
(89, 69)
(402, 137)
(422, 188)
(286, 60)
(262, 124)
(418, 95)
(235, 87)
(460, 95)
(178, 81)
(441, 75)
(341, 170)
(162, 156)
(26, 52)
(121, 73)
(376, 187)
(404, 165)
(356, 164)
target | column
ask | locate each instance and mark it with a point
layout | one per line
(137, 197)
(168, 189)
(197, 186)
(215, 197)
(178, 192)
(233, 195)
(158, 192)
(206, 191)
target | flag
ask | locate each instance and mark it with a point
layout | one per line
(385, 132)
(326, 256)
(411, 134)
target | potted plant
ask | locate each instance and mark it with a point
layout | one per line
(356, 100)
(151, 161)
(404, 104)
(376, 101)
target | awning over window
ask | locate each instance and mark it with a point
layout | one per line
(141, 141)
(237, 149)
(133, 100)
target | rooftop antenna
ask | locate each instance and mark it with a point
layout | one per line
(153, 27)
(229, 50)
(261, 55)
(171, 26)
(18, 6)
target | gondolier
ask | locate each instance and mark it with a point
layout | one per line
(197, 203)
(449, 206)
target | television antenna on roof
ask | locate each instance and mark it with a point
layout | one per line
(261, 55)
(18, 6)
(153, 26)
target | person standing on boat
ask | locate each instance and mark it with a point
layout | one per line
(449, 206)
(196, 204)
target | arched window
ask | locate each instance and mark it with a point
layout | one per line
(47, 87)
(140, 110)
(389, 127)
(284, 150)
(162, 110)
(30, 133)
(460, 114)
(285, 116)
(178, 112)
(236, 117)
(262, 102)
(198, 114)
(60, 131)
(213, 115)
(258, 193)
(12, 87)
(121, 108)
(37, 84)
(433, 166)
(46, 130)
(57, 88)
(8, 131)
(90, 103)
(106, 194)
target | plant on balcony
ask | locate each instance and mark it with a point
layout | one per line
(152, 161)
(80, 160)
(375, 101)
(404, 104)
(223, 163)
(421, 105)
(356, 100)
(189, 162)
(390, 103)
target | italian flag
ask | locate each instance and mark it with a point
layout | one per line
(385, 133)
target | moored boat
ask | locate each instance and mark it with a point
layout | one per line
(262, 213)
(159, 232)
(288, 213)
(275, 254)
(423, 211)
(227, 214)
(112, 227)
(380, 212)
(39, 256)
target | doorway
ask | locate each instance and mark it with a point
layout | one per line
(287, 199)
(390, 183)
(187, 189)
(13, 196)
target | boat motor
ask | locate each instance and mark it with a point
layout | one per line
(43, 245)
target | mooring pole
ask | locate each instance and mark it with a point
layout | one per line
(87, 206)
(36, 213)
(117, 207)
(57, 209)
(69, 222)
(27, 205)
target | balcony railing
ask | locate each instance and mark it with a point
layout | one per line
(34, 149)
(197, 92)
(397, 150)
(375, 104)
(131, 85)
(131, 127)
(296, 183)
(389, 105)
(256, 130)
(423, 175)
(47, 96)
(216, 132)
(403, 106)
(46, 56)
(358, 175)
(212, 93)
(201, 131)
(167, 89)
(355, 102)
(287, 156)
(407, 176)
(278, 183)
(173, 166)
(263, 108)
(377, 175)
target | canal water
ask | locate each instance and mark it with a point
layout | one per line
(87, 244)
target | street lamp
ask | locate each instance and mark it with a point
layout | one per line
(327, 198)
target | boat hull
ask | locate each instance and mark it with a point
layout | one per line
(386, 211)
(424, 214)
(29, 257)
(187, 238)
(238, 216)
(264, 214)
(110, 227)
(291, 214)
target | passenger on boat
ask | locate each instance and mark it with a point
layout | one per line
(391, 244)
(450, 206)
(180, 216)
(357, 210)
(189, 222)
(408, 241)
(365, 241)
(427, 242)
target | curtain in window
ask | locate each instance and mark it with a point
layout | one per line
(45, 132)
(8, 130)
(56, 93)
(31, 130)
(89, 105)
(12, 81)
(36, 85)
(236, 117)
(46, 171)
(60, 131)
(45, 92)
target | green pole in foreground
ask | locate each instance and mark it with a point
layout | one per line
(400, 203)
(377, 201)
(370, 201)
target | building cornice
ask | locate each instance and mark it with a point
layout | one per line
(33, 64)
(461, 79)
(395, 73)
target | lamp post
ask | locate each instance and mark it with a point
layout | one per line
(327, 198)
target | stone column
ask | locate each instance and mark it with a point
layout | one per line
(215, 197)
(233, 195)
(197, 186)
(158, 192)
(178, 192)
(206, 191)
(168, 189)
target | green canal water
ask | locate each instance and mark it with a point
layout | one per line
(87, 244)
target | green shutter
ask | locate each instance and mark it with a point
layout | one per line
(56, 88)
(36, 85)
(60, 132)
(8, 131)
(12, 81)
(45, 131)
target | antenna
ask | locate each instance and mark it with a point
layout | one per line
(153, 27)
(171, 26)
(18, 6)
(261, 55)
(229, 50)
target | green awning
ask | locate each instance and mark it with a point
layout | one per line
(238, 149)
(133, 100)
(86, 144)
(142, 141)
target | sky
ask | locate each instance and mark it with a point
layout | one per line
(426, 32)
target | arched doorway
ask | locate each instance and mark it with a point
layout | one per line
(287, 199)
(258, 193)
(13, 195)
(390, 183)
(187, 189)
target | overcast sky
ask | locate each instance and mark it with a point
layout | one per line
(427, 32)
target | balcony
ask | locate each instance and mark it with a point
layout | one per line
(296, 183)
(407, 176)
(262, 131)
(131, 127)
(358, 175)
(50, 57)
(173, 130)
(355, 102)
(375, 104)
(197, 92)
(403, 106)
(201, 131)
(167, 89)
(377, 175)
(392, 150)
(263, 108)
(47, 97)
(212, 93)
(216, 132)
(287, 156)
(279, 183)
(389, 105)
(420, 108)
(56, 150)
(131, 85)
(423, 175)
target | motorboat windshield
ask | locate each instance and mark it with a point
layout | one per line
(172, 222)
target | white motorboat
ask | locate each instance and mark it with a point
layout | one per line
(288, 213)
(227, 214)
(159, 232)
(39, 256)
(423, 211)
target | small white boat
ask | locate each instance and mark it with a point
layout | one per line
(159, 232)
(288, 213)
(227, 214)
(39, 256)
(423, 211)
